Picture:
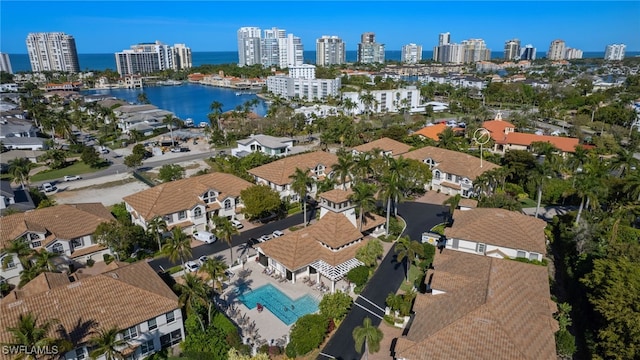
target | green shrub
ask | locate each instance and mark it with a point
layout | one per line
(107, 258)
(386, 238)
(90, 262)
(513, 189)
(358, 275)
(565, 343)
(335, 306)
(307, 334)
(395, 226)
(175, 269)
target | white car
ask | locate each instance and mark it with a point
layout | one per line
(191, 266)
(71, 177)
(202, 259)
(264, 238)
(205, 236)
(277, 233)
(237, 224)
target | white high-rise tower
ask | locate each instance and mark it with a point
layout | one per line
(330, 50)
(55, 51)
(249, 46)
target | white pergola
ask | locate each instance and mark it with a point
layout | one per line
(335, 273)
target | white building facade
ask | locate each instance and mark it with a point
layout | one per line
(249, 46)
(411, 53)
(145, 58)
(54, 51)
(615, 52)
(5, 63)
(309, 89)
(512, 49)
(557, 50)
(387, 100)
(290, 51)
(182, 57)
(330, 50)
(369, 51)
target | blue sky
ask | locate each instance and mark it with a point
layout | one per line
(111, 26)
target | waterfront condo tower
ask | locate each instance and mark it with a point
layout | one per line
(411, 53)
(182, 57)
(528, 52)
(557, 50)
(512, 49)
(249, 46)
(270, 47)
(330, 50)
(290, 51)
(5, 63)
(145, 58)
(614, 52)
(54, 51)
(369, 51)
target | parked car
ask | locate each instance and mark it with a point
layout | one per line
(267, 218)
(253, 241)
(237, 224)
(191, 266)
(205, 236)
(48, 188)
(277, 233)
(71, 177)
(265, 237)
(203, 259)
(104, 150)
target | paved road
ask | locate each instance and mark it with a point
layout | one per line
(420, 217)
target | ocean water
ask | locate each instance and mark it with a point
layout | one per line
(20, 62)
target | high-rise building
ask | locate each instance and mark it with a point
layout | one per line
(290, 51)
(5, 63)
(249, 46)
(182, 57)
(557, 50)
(476, 50)
(369, 51)
(615, 52)
(270, 47)
(330, 50)
(444, 38)
(572, 53)
(54, 51)
(512, 49)
(528, 52)
(145, 58)
(411, 53)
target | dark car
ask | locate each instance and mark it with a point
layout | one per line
(268, 218)
(252, 241)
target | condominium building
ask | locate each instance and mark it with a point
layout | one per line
(572, 53)
(557, 50)
(369, 51)
(304, 71)
(411, 53)
(270, 47)
(182, 57)
(301, 83)
(475, 50)
(528, 52)
(512, 49)
(330, 50)
(290, 51)
(615, 52)
(444, 38)
(391, 101)
(145, 58)
(54, 51)
(5, 63)
(249, 46)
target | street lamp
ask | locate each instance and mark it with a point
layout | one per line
(481, 136)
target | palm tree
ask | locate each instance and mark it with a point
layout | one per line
(632, 185)
(19, 169)
(168, 120)
(408, 250)
(107, 343)
(453, 202)
(301, 184)
(216, 108)
(369, 336)
(193, 293)
(135, 135)
(447, 139)
(364, 197)
(623, 162)
(216, 268)
(344, 167)
(225, 230)
(363, 166)
(143, 99)
(178, 247)
(367, 99)
(44, 260)
(349, 105)
(392, 184)
(157, 227)
(19, 247)
(28, 332)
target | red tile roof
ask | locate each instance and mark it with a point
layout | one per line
(564, 144)
(432, 131)
(497, 128)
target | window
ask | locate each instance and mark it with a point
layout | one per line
(152, 324)
(75, 243)
(521, 254)
(171, 339)
(533, 256)
(170, 317)
(182, 215)
(197, 212)
(227, 204)
(130, 333)
(436, 175)
(57, 248)
(449, 177)
(80, 354)
(480, 248)
(10, 264)
(147, 347)
(36, 244)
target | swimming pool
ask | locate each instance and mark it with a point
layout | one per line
(279, 304)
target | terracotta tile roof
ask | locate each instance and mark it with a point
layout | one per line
(502, 307)
(336, 195)
(497, 128)
(452, 162)
(562, 143)
(88, 250)
(67, 222)
(451, 185)
(123, 297)
(174, 196)
(372, 220)
(470, 203)
(385, 144)
(499, 227)
(432, 131)
(41, 283)
(278, 172)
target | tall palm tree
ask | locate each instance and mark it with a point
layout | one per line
(363, 166)
(19, 247)
(169, 120)
(344, 167)
(225, 231)
(193, 293)
(301, 184)
(453, 202)
(157, 227)
(216, 108)
(364, 197)
(178, 247)
(368, 100)
(369, 336)
(623, 162)
(632, 185)
(19, 169)
(349, 105)
(408, 250)
(143, 99)
(44, 260)
(29, 332)
(447, 139)
(107, 343)
(216, 268)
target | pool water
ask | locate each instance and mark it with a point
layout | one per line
(279, 304)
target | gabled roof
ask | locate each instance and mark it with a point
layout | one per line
(123, 297)
(452, 162)
(385, 144)
(278, 172)
(502, 307)
(431, 131)
(564, 144)
(336, 195)
(267, 140)
(497, 128)
(68, 221)
(174, 196)
(499, 227)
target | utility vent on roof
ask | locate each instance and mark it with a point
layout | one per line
(500, 215)
(114, 275)
(14, 304)
(73, 285)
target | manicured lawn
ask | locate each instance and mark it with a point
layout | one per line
(414, 273)
(439, 229)
(529, 203)
(77, 168)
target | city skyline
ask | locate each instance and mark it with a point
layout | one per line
(108, 27)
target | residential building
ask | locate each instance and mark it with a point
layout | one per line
(15, 199)
(326, 249)
(249, 46)
(405, 99)
(444, 38)
(317, 111)
(52, 51)
(369, 51)
(453, 172)
(144, 118)
(290, 51)
(613, 52)
(182, 57)
(431, 131)
(512, 49)
(5, 63)
(497, 233)
(475, 306)
(572, 53)
(475, 50)
(266, 144)
(190, 203)
(62, 229)
(304, 88)
(270, 47)
(528, 53)
(276, 174)
(523, 141)
(304, 71)
(145, 58)
(411, 53)
(498, 128)
(131, 297)
(557, 50)
(19, 134)
(386, 146)
(330, 50)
